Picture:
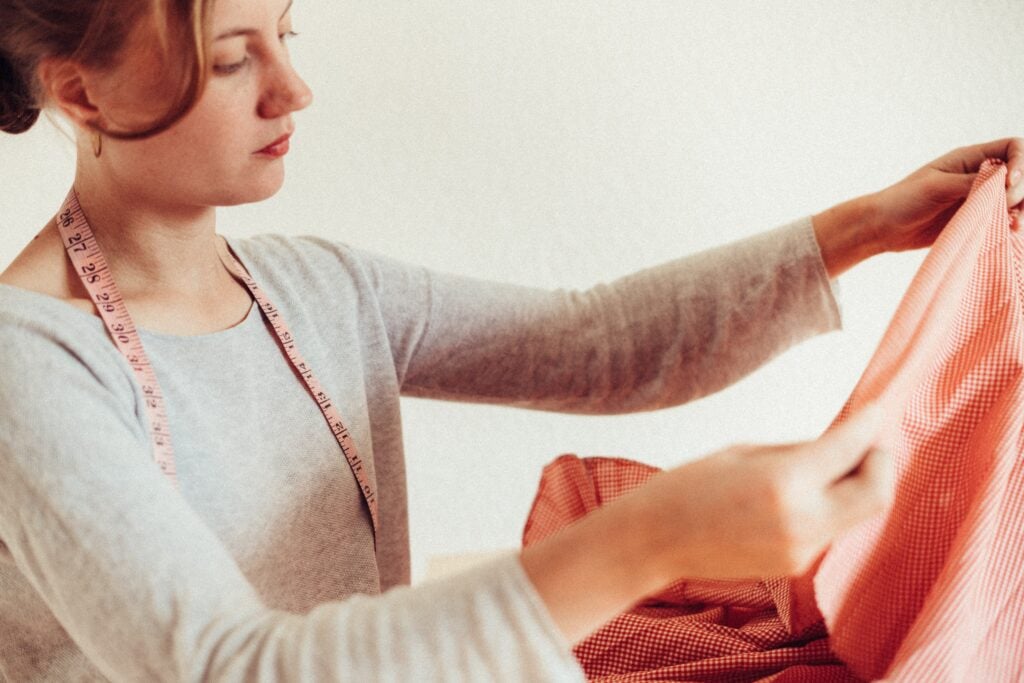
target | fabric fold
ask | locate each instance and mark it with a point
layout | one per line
(930, 590)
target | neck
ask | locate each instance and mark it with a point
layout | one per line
(155, 249)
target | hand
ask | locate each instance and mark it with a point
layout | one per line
(757, 511)
(912, 213)
(744, 512)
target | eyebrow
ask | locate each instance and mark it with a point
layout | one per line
(246, 31)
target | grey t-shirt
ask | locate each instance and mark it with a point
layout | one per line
(263, 566)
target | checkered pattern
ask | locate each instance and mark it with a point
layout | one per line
(933, 590)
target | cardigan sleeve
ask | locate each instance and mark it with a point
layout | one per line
(656, 338)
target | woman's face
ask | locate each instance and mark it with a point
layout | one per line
(208, 158)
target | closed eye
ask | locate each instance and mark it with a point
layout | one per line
(232, 68)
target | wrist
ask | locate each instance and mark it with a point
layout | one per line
(596, 568)
(847, 234)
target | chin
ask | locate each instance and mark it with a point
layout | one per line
(256, 191)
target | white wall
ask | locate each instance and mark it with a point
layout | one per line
(567, 143)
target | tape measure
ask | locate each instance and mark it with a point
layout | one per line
(91, 267)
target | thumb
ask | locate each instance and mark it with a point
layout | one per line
(951, 187)
(841, 449)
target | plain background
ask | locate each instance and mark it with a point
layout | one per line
(561, 144)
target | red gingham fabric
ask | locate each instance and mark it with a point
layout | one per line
(932, 590)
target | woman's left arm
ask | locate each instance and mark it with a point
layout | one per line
(652, 339)
(667, 334)
(911, 213)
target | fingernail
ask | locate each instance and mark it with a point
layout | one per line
(1015, 176)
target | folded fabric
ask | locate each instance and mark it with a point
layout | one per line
(693, 630)
(931, 590)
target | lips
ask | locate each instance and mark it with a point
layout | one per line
(269, 149)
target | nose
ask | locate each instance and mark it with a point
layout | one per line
(285, 91)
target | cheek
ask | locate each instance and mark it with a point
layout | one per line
(213, 122)
(208, 153)
(211, 135)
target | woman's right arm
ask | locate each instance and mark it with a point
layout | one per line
(148, 592)
(744, 512)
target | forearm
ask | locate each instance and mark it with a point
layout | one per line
(847, 234)
(596, 568)
(656, 338)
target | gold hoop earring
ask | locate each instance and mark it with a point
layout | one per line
(97, 143)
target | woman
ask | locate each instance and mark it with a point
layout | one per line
(253, 548)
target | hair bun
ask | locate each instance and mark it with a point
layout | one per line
(17, 109)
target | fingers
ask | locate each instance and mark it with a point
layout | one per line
(1014, 178)
(968, 159)
(1010, 150)
(1014, 162)
(841, 449)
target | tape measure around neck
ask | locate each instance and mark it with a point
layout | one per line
(91, 267)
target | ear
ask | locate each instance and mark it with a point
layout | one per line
(67, 86)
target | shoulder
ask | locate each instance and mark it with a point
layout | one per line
(310, 260)
(44, 341)
(61, 373)
(293, 256)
